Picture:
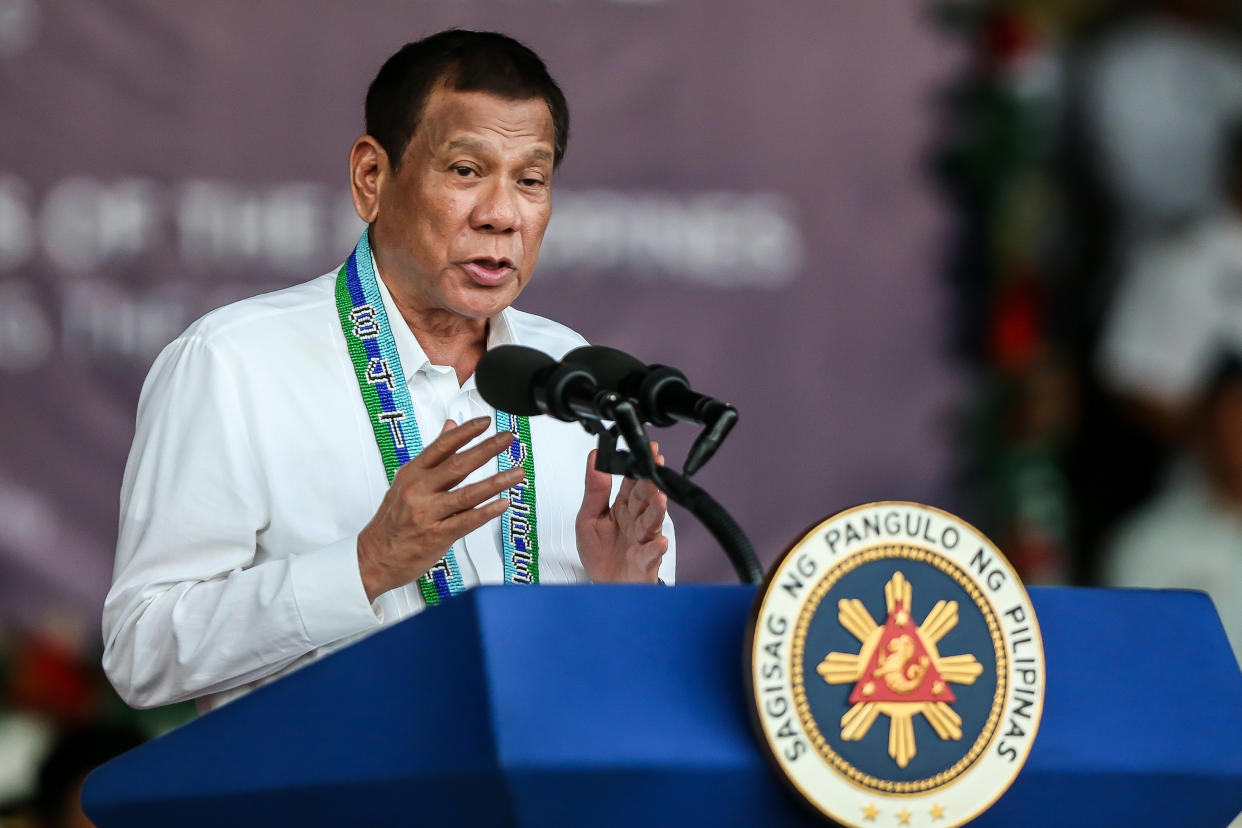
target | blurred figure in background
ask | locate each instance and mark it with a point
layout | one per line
(1177, 304)
(76, 751)
(1152, 95)
(1158, 92)
(1080, 133)
(1189, 536)
(1172, 349)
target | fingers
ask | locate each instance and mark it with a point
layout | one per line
(459, 466)
(627, 485)
(646, 512)
(598, 490)
(446, 462)
(451, 440)
(626, 492)
(465, 522)
(652, 551)
(467, 497)
(450, 501)
(639, 496)
(645, 559)
(423, 512)
(650, 521)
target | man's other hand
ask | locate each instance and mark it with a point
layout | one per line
(624, 541)
(422, 514)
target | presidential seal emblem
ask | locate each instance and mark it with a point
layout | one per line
(896, 668)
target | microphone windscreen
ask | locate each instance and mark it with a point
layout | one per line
(609, 366)
(506, 375)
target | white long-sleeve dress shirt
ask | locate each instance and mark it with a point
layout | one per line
(253, 469)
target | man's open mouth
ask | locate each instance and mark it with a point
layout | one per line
(488, 271)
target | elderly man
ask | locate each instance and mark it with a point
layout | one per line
(315, 463)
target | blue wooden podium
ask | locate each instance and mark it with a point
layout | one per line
(624, 706)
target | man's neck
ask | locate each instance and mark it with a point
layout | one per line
(445, 337)
(459, 345)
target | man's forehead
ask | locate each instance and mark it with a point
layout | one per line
(473, 120)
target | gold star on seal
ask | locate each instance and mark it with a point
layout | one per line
(870, 812)
(903, 816)
(937, 811)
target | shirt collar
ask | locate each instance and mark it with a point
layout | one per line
(413, 357)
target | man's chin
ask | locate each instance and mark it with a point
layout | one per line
(484, 303)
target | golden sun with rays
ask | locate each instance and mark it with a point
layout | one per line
(898, 671)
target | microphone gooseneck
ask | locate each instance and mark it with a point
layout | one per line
(736, 545)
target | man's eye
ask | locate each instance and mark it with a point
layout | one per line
(532, 182)
(463, 171)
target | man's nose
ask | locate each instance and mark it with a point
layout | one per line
(496, 210)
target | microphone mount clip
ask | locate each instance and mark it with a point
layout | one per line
(638, 462)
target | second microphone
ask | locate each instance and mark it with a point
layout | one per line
(527, 382)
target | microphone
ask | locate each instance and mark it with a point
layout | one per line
(526, 382)
(663, 395)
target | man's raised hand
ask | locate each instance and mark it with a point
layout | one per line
(422, 514)
(623, 541)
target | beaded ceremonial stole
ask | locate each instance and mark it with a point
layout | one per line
(386, 396)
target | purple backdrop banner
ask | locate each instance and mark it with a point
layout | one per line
(742, 198)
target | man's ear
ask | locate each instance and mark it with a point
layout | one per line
(368, 169)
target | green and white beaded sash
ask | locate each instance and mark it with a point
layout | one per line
(386, 396)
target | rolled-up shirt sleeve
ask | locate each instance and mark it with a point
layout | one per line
(196, 605)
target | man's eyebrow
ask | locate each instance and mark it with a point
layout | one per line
(464, 143)
(537, 154)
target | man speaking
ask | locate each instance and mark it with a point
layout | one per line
(312, 464)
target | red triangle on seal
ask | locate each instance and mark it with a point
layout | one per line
(900, 668)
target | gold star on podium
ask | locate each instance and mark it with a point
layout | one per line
(937, 811)
(903, 816)
(870, 812)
